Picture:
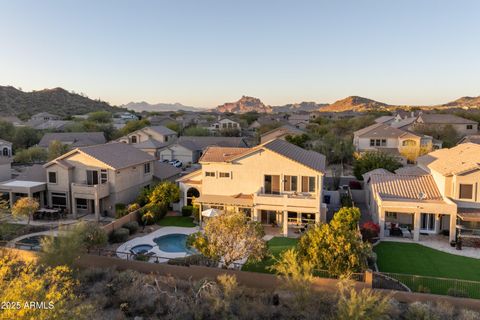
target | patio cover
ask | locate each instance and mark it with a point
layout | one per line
(209, 213)
(469, 214)
(236, 200)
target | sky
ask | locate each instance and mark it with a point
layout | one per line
(205, 53)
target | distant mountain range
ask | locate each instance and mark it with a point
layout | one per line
(158, 107)
(352, 103)
(14, 102)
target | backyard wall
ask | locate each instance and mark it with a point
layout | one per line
(118, 223)
(358, 196)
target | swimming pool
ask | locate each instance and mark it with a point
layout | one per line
(141, 249)
(174, 242)
(30, 243)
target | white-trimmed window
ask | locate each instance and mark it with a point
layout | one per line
(465, 191)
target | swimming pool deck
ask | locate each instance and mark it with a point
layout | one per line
(148, 239)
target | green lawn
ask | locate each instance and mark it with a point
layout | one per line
(8, 231)
(177, 222)
(415, 259)
(275, 246)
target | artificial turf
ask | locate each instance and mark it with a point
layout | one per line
(177, 221)
(275, 246)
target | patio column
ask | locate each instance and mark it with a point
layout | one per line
(255, 214)
(285, 223)
(416, 226)
(12, 200)
(96, 204)
(74, 208)
(453, 227)
(381, 222)
(437, 223)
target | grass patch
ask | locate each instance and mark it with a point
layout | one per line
(415, 259)
(9, 231)
(174, 221)
(275, 246)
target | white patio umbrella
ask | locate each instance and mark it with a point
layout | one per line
(209, 213)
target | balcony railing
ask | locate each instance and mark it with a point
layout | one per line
(90, 191)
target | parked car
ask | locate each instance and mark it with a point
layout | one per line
(176, 163)
(165, 160)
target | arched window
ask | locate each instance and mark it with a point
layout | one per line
(5, 152)
(192, 193)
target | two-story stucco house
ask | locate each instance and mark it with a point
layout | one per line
(275, 183)
(461, 125)
(93, 179)
(405, 145)
(429, 198)
(224, 124)
(158, 133)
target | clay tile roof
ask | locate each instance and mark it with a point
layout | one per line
(405, 187)
(459, 159)
(432, 118)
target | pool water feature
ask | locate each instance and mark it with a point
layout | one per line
(174, 242)
(141, 249)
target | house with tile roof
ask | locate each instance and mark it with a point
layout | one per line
(404, 145)
(433, 120)
(73, 139)
(281, 132)
(275, 183)
(188, 149)
(439, 195)
(93, 179)
(159, 133)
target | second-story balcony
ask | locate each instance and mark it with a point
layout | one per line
(86, 191)
(292, 200)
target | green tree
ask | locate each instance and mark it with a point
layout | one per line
(100, 116)
(196, 131)
(175, 126)
(160, 197)
(374, 160)
(7, 130)
(348, 217)
(229, 237)
(28, 282)
(56, 149)
(31, 155)
(298, 140)
(25, 137)
(25, 208)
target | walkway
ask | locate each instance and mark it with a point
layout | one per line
(440, 243)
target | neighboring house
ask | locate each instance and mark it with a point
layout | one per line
(164, 171)
(13, 120)
(161, 120)
(159, 133)
(151, 146)
(224, 124)
(188, 149)
(461, 125)
(473, 138)
(73, 139)
(44, 116)
(429, 199)
(281, 133)
(5, 148)
(264, 120)
(93, 179)
(275, 183)
(5, 168)
(405, 145)
(126, 116)
(299, 121)
(385, 119)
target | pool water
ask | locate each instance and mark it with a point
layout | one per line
(141, 249)
(174, 242)
(30, 243)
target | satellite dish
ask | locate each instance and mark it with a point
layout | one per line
(422, 196)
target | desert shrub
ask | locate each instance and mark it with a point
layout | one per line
(420, 311)
(370, 230)
(132, 226)
(457, 293)
(119, 235)
(195, 260)
(468, 315)
(120, 210)
(423, 289)
(133, 207)
(187, 211)
(142, 257)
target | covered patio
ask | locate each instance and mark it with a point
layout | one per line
(14, 189)
(468, 226)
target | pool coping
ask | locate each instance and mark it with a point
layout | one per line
(163, 256)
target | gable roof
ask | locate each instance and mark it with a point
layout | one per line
(436, 118)
(162, 170)
(405, 187)
(286, 128)
(75, 139)
(5, 142)
(473, 138)
(164, 131)
(199, 143)
(150, 144)
(311, 159)
(37, 173)
(117, 155)
(382, 130)
(456, 160)
(384, 119)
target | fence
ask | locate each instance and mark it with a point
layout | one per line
(118, 223)
(425, 284)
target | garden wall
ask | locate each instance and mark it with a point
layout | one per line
(118, 223)
(358, 196)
